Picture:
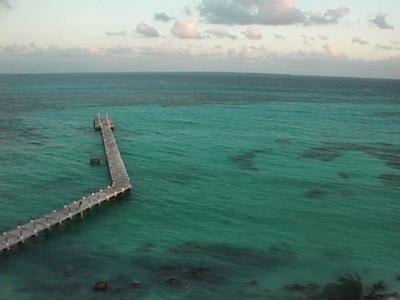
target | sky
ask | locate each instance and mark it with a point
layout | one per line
(306, 37)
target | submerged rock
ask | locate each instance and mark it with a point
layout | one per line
(101, 286)
(253, 282)
(295, 287)
(172, 281)
(136, 284)
(316, 194)
(390, 180)
(344, 175)
(246, 161)
(196, 273)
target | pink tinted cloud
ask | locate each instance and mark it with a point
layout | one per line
(186, 29)
(252, 34)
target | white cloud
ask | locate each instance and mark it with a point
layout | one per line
(168, 57)
(308, 40)
(265, 12)
(186, 29)
(5, 3)
(381, 22)
(360, 41)
(221, 33)
(279, 36)
(163, 17)
(323, 38)
(245, 12)
(332, 51)
(331, 16)
(117, 33)
(146, 30)
(252, 34)
(381, 47)
(167, 48)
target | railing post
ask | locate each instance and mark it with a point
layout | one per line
(90, 202)
(6, 240)
(34, 228)
(47, 223)
(21, 236)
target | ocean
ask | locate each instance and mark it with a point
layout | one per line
(246, 186)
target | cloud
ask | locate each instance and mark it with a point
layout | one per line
(331, 16)
(118, 50)
(246, 12)
(168, 57)
(186, 29)
(163, 17)
(265, 12)
(279, 36)
(187, 11)
(360, 41)
(117, 33)
(213, 53)
(308, 40)
(252, 34)
(167, 49)
(5, 3)
(221, 33)
(146, 30)
(249, 53)
(332, 51)
(381, 47)
(381, 22)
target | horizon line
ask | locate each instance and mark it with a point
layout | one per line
(196, 72)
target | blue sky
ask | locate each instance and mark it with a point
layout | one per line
(326, 37)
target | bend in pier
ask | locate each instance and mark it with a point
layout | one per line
(120, 185)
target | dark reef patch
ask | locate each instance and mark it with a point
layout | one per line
(316, 194)
(282, 141)
(388, 114)
(344, 175)
(275, 256)
(246, 161)
(309, 290)
(178, 272)
(346, 287)
(390, 180)
(322, 153)
(389, 153)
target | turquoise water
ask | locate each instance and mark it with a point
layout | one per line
(243, 184)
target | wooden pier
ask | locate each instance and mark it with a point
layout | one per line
(120, 185)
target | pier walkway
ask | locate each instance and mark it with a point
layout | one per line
(120, 185)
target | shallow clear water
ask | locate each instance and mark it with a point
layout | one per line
(237, 179)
